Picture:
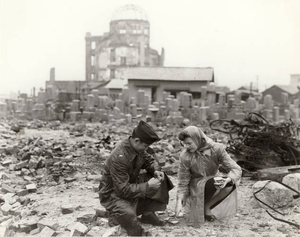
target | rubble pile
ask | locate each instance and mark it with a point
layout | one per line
(49, 178)
(32, 162)
(258, 144)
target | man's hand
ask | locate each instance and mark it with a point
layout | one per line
(154, 183)
(159, 175)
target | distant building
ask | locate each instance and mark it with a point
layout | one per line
(292, 90)
(245, 92)
(154, 81)
(127, 44)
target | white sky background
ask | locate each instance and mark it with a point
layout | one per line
(240, 39)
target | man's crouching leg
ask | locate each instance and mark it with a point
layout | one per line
(124, 213)
(130, 224)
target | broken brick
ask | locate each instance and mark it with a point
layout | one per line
(7, 189)
(47, 232)
(21, 165)
(35, 231)
(22, 192)
(78, 229)
(67, 209)
(31, 188)
(6, 162)
(26, 156)
(6, 207)
(69, 180)
(47, 222)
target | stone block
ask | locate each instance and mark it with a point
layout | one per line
(31, 188)
(78, 229)
(90, 101)
(275, 114)
(141, 97)
(34, 232)
(128, 118)
(95, 93)
(273, 194)
(287, 114)
(169, 120)
(7, 189)
(94, 177)
(33, 163)
(178, 119)
(69, 180)
(203, 92)
(292, 180)
(26, 156)
(116, 113)
(47, 222)
(22, 192)
(96, 231)
(86, 218)
(113, 231)
(9, 198)
(67, 209)
(20, 165)
(3, 231)
(24, 225)
(6, 207)
(75, 116)
(268, 102)
(47, 232)
(211, 98)
(6, 162)
(161, 160)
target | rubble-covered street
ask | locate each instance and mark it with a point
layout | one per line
(50, 171)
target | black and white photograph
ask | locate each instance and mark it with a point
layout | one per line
(150, 118)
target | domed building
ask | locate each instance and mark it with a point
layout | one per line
(127, 44)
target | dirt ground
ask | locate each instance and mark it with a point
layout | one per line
(46, 204)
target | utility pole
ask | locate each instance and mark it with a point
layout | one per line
(257, 78)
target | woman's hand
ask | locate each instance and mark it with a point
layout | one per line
(222, 183)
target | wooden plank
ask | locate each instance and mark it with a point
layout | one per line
(277, 173)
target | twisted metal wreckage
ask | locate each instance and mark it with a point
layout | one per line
(257, 144)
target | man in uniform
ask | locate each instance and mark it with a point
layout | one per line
(124, 192)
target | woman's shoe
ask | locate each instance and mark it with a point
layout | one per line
(210, 218)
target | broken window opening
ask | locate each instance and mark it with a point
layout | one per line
(122, 31)
(112, 73)
(112, 55)
(93, 60)
(123, 61)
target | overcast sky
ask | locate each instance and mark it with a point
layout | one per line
(242, 39)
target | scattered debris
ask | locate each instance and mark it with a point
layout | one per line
(257, 144)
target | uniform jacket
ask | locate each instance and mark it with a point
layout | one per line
(121, 173)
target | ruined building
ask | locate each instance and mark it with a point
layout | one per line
(127, 44)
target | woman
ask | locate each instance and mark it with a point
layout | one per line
(201, 189)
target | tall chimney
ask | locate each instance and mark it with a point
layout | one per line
(162, 58)
(52, 75)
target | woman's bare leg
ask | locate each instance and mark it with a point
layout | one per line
(222, 194)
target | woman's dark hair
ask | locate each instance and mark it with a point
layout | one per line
(183, 135)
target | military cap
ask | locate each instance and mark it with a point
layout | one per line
(145, 133)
